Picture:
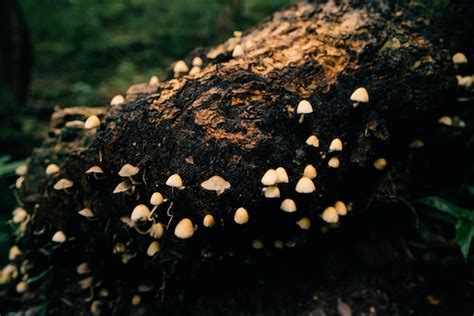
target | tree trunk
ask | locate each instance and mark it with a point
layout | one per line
(237, 118)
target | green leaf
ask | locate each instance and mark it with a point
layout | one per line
(8, 168)
(445, 206)
(464, 235)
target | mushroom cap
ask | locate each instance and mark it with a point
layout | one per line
(304, 223)
(19, 215)
(334, 162)
(208, 221)
(282, 176)
(83, 268)
(380, 164)
(215, 183)
(304, 107)
(156, 230)
(184, 229)
(257, 244)
(156, 199)
(195, 70)
(180, 67)
(310, 172)
(14, 252)
(59, 237)
(288, 205)
(123, 186)
(305, 185)
(241, 216)
(52, 169)
(136, 300)
(92, 122)
(341, 208)
(154, 81)
(63, 184)
(459, 58)
(360, 95)
(237, 51)
(86, 212)
(270, 177)
(272, 192)
(21, 287)
(19, 182)
(446, 120)
(312, 141)
(21, 170)
(336, 145)
(174, 181)
(128, 170)
(330, 215)
(153, 248)
(118, 99)
(141, 212)
(95, 169)
(197, 61)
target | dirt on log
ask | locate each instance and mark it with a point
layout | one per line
(236, 118)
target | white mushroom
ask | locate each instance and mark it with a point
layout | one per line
(282, 176)
(459, 58)
(334, 162)
(153, 248)
(195, 70)
(336, 145)
(141, 212)
(445, 120)
(83, 268)
(63, 184)
(118, 99)
(304, 223)
(123, 186)
(312, 141)
(330, 215)
(208, 221)
(341, 208)
(128, 170)
(304, 107)
(271, 192)
(156, 230)
(14, 252)
(19, 215)
(21, 170)
(310, 172)
(156, 199)
(19, 182)
(21, 287)
(154, 81)
(175, 181)
(92, 122)
(180, 68)
(305, 185)
(288, 205)
(380, 164)
(59, 237)
(184, 229)
(197, 61)
(86, 212)
(360, 95)
(51, 169)
(241, 216)
(237, 51)
(270, 177)
(257, 244)
(216, 183)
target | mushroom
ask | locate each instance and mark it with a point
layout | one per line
(459, 58)
(446, 120)
(83, 268)
(156, 200)
(195, 70)
(19, 182)
(21, 287)
(312, 141)
(175, 181)
(330, 215)
(380, 164)
(59, 237)
(184, 229)
(92, 122)
(416, 143)
(288, 205)
(282, 176)
(9, 272)
(96, 171)
(154, 81)
(86, 283)
(14, 252)
(241, 216)
(305, 185)
(118, 99)
(216, 183)
(237, 34)
(156, 230)
(136, 300)
(63, 184)
(257, 244)
(304, 223)
(197, 61)
(19, 215)
(271, 192)
(123, 186)
(21, 170)
(86, 212)
(310, 172)
(141, 212)
(360, 95)
(270, 177)
(153, 248)
(52, 169)
(336, 145)
(208, 221)
(237, 51)
(180, 68)
(341, 208)
(304, 107)
(333, 162)
(128, 171)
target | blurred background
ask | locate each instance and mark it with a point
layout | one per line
(83, 52)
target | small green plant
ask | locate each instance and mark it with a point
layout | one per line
(8, 167)
(464, 224)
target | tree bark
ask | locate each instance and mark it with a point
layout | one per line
(236, 118)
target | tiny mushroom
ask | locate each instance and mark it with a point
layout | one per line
(330, 215)
(96, 171)
(336, 145)
(59, 237)
(270, 177)
(312, 141)
(288, 205)
(118, 99)
(257, 244)
(175, 181)
(21, 170)
(197, 61)
(195, 70)
(136, 300)
(128, 170)
(92, 122)
(184, 229)
(282, 176)
(304, 223)
(86, 212)
(141, 212)
(241, 216)
(310, 172)
(304, 107)
(19, 182)
(156, 199)
(341, 208)
(380, 164)
(216, 183)
(156, 230)
(154, 81)
(19, 215)
(123, 186)
(445, 120)
(21, 287)
(63, 184)
(271, 192)
(360, 95)
(51, 169)
(153, 248)
(334, 162)
(14, 252)
(83, 268)
(305, 185)
(237, 51)
(180, 68)
(208, 221)
(459, 58)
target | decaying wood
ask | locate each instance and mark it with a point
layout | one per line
(236, 118)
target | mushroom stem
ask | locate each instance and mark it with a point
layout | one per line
(301, 118)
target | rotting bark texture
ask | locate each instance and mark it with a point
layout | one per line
(236, 119)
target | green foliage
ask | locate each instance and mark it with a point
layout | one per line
(8, 167)
(464, 226)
